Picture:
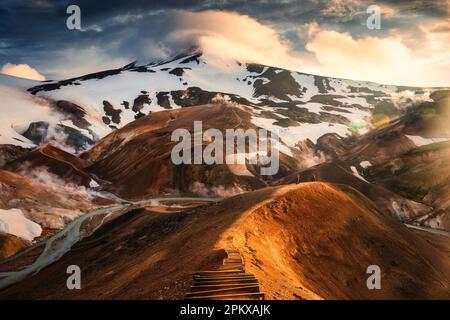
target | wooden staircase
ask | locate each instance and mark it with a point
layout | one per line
(227, 282)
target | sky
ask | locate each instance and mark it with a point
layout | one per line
(325, 37)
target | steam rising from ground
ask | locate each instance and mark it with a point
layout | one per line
(43, 175)
(310, 157)
(57, 137)
(220, 191)
(406, 99)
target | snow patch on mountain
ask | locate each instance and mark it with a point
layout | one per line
(356, 174)
(421, 141)
(365, 164)
(302, 106)
(17, 110)
(14, 222)
(292, 135)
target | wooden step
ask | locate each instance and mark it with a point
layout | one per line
(228, 281)
(225, 279)
(232, 260)
(210, 271)
(243, 296)
(216, 273)
(229, 276)
(233, 290)
(235, 268)
(233, 281)
(224, 275)
(199, 288)
(232, 264)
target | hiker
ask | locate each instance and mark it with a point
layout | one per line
(298, 178)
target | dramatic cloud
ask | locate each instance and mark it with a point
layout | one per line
(22, 71)
(410, 48)
(380, 59)
(370, 58)
(391, 59)
(227, 35)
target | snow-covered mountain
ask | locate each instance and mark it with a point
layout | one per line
(98, 143)
(314, 115)
(28, 120)
(303, 106)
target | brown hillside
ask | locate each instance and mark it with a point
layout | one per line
(136, 159)
(310, 241)
(387, 201)
(10, 244)
(64, 165)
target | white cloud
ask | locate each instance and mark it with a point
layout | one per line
(22, 71)
(369, 58)
(225, 35)
(391, 59)
(380, 59)
(401, 57)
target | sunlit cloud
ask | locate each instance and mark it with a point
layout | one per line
(330, 38)
(225, 35)
(382, 59)
(22, 71)
(376, 59)
(389, 59)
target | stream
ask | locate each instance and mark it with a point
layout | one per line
(59, 244)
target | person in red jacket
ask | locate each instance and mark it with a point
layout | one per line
(297, 180)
